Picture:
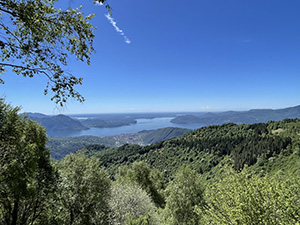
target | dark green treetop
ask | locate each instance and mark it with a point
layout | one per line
(27, 177)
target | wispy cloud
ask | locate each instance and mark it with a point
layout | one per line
(206, 107)
(114, 24)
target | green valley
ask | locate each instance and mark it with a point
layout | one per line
(220, 174)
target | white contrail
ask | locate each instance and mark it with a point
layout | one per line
(112, 21)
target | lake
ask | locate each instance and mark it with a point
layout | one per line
(142, 124)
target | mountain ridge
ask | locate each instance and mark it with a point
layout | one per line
(61, 124)
(240, 117)
(57, 124)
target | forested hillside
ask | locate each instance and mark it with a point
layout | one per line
(56, 125)
(229, 174)
(209, 147)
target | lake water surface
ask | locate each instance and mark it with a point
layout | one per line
(142, 124)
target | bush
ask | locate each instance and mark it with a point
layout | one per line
(130, 203)
(244, 198)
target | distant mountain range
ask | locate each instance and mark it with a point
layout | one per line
(61, 124)
(247, 117)
(57, 124)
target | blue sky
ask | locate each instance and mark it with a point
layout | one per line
(196, 55)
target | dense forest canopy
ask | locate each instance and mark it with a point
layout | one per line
(229, 174)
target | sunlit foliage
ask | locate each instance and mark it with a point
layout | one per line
(247, 198)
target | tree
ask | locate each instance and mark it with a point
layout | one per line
(84, 191)
(148, 179)
(130, 204)
(26, 175)
(36, 38)
(184, 193)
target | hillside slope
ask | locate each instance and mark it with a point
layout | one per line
(211, 147)
(56, 125)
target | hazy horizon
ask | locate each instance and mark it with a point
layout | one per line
(170, 112)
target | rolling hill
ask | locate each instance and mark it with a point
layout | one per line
(265, 146)
(57, 124)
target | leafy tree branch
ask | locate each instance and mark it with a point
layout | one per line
(37, 38)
